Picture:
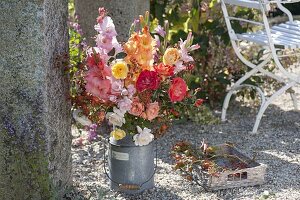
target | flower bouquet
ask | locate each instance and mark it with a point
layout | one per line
(135, 86)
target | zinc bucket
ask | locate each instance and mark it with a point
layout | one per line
(131, 168)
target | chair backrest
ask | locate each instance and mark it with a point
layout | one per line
(261, 5)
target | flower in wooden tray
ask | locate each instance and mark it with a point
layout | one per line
(211, 159)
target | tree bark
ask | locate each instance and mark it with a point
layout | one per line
(35, 119)
(123, 12)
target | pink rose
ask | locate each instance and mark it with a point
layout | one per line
(152, 110)
(137, 107)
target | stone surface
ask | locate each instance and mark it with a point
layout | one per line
(122, 12)
(35, 120)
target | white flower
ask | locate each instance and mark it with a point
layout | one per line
(80, 118)
(144, 137)
(116, 117)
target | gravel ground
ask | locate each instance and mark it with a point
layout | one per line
(277, 145)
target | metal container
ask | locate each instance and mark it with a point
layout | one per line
(131, 167)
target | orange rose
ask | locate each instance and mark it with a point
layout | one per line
(164, 70)
(171, 56)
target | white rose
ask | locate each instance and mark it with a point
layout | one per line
(144, 137)
(116, 117)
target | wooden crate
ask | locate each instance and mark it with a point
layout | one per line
(254, 174)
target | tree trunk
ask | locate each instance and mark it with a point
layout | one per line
(123, 12)
(35, 123)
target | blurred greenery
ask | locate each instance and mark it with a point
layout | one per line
(216, 63)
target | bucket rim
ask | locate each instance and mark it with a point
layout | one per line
(130, 146)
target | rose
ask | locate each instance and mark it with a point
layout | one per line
(152, 110)
(143, 137)
(164, 70)
(131, 90)
(171, 56)
(116, 117)
(137, 107)
(116, 86)
(125, 104)
(118, 134)
(147, 80)
(177, 90)
(119, 70)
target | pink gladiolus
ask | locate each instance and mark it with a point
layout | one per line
(106, 28)
(104, 42)
(185, 48)
(98, 87)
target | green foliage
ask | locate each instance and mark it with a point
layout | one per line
(77, 47)
(216, 62)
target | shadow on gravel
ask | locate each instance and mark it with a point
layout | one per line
(156, 193)
(276, 144)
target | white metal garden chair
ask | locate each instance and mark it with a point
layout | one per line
(273, 38)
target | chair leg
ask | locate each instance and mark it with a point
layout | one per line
(294, 99)
(254, 70)
(268, 102)
(233, 89)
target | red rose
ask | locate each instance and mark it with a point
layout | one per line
(164, 70)
(147, 80)
(199, 102)
(177, 90)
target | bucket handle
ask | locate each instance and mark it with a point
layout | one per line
(130, 187)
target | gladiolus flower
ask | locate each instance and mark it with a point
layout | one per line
(147, 80)
(160, 30)
(98, 87)
(177, 90)
(118, 134)
(120, 70)
(171, 56)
